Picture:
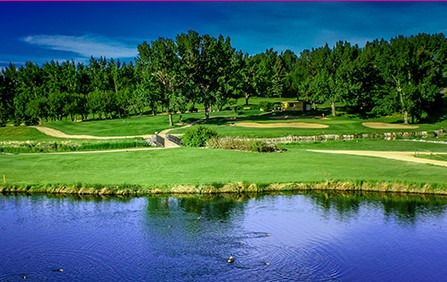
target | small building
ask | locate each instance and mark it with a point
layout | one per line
(294, 106)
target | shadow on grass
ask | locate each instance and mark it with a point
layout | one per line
(241, 117)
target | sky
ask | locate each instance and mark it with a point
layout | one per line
(43, 31)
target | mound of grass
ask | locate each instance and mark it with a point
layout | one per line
(22, 133)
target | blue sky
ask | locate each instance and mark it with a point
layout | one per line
(43, 31)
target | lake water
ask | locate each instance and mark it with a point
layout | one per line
(296, 237)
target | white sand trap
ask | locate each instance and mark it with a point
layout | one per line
(282, 125)
(382, 125)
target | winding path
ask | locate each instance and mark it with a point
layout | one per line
(59, 134)
(393, 155)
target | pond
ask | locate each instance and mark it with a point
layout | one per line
(284, 237)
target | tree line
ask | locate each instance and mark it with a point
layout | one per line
(403, 75)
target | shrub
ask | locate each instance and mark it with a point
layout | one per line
(198, 136)
(262, 147)
(242, 145)
(266, 106)
(214, 142)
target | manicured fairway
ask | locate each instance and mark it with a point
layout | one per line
(191, 166)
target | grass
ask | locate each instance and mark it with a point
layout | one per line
(22, 133)
(220, 121)
(114, 127)
(22, 139)
(199, 167)
(337, 125)
(69, 145)
(434, 156)
(211, 169)
(370, 145)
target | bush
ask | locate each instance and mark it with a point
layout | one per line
(198, 136)
(266, 106)
(242, 145)
(262, 147)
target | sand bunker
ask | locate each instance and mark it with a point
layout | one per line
(382, 125)
(281, 125)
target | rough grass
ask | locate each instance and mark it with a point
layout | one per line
(434, 156)
(64, 145)
(197, 168)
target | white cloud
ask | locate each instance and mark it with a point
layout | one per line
(86, 45)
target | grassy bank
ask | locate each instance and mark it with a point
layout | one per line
(229, 188)
(14, 147)
(215, 170)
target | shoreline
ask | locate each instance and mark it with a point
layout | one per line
(229, 188)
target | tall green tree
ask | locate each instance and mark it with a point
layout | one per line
(345, 75)
(145, 94)
(204, 72)
(246, 77)
(167, 72)
(289, 60)
(413, 74)
(8, 86)
(29, 95)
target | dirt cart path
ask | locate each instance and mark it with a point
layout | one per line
(59, 134)
(394, 155)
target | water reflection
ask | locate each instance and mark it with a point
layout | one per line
(211, 207)
(405, 208)
(315, 236)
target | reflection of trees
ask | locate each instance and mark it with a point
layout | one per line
(167, 215)
(407, 208)
(211, 207)
(158, 206)
(404, 207)
(344, 204)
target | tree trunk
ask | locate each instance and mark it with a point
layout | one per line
(246, 99)
(405, 117)
(170, 119)
(207, 114)
(333, 108)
